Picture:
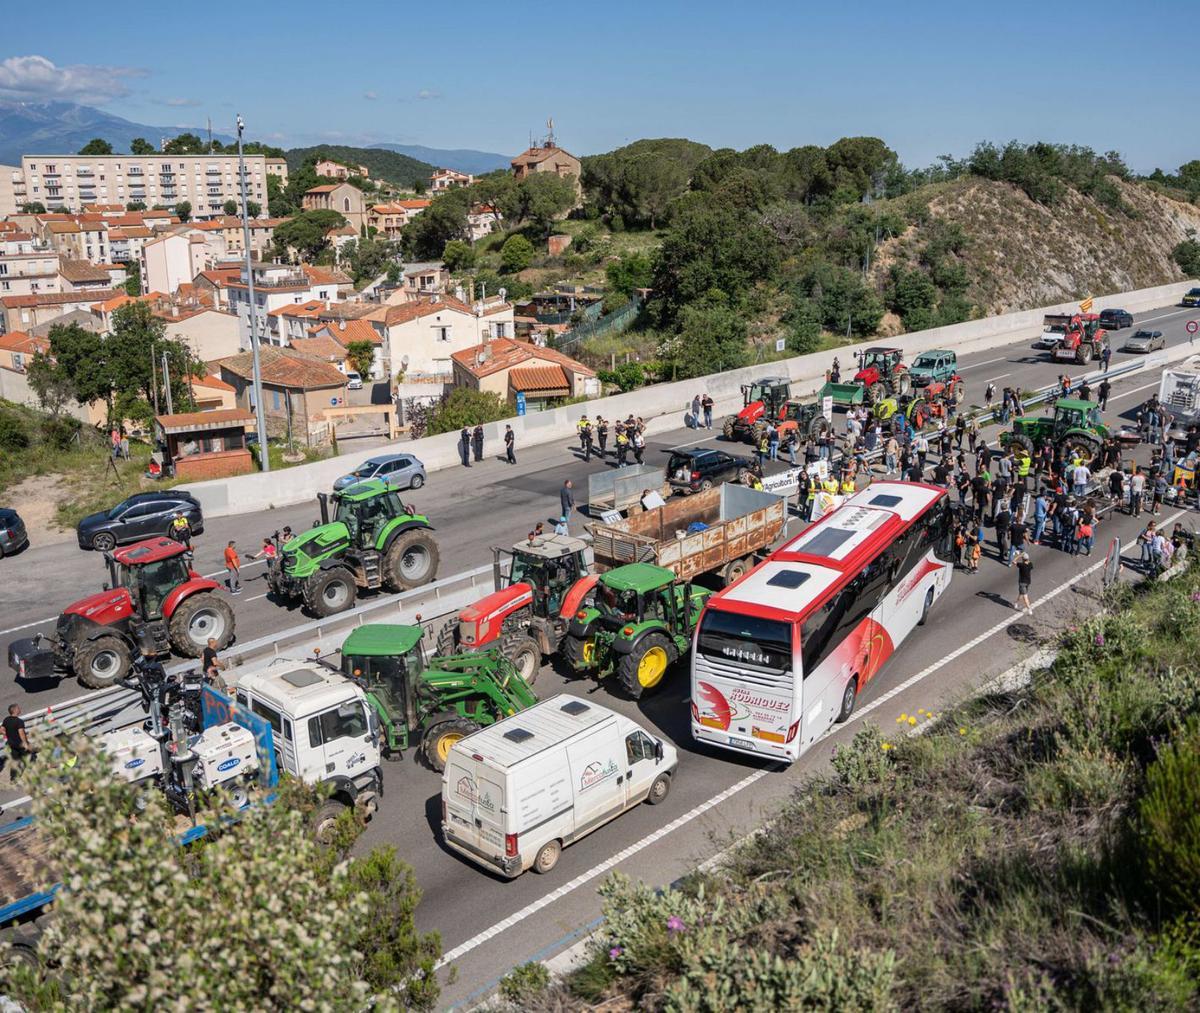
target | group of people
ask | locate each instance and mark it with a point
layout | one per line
(470, 441)
(702, 409)
(629, 437)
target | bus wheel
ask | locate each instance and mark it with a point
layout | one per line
(928, 606)
(848, 699)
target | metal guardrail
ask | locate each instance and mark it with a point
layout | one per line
(116, 706)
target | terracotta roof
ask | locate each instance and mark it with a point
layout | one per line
(55, 298)
(171, 313)
(412, 205)
(126, 220)
(54, 216)
(285, 368)
(221, 276)
(319, 348)
(78, 271)
(324, 276)
(221, 418)
(63, 228)
(19, 341)
(212, 382)
(539, 379)
(345, 331)
(14, 237)
(531, 155)
(503, 353)
(300, 309)
(345, 230)
(350, 311)
(124, 299)
(326, 188)
(388, 209)
(390, 316)
(104, 207)
(156, 214)
(449, 172)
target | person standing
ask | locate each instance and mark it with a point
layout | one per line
(706, 403)
(585, 435)
(234, 567)
(772, 442)
(1106, 355)
(792, 442)
(639, 444)
(1001, 522)
(1041, 510)
(581, 425)
(18, 741)
(695, 423)
(1102, 393)
(1024, 580)
(622, 445)
(210, 664)
(181, 530)
(835, 371)
(566, 501)
(509, 445)
(464, 446)
(477, 442)
(602, 435)
(1018, 532)
(125, 446)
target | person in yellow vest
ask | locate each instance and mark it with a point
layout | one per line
(583, 426)
(1024, 466)
(848, 485)
(830, 485)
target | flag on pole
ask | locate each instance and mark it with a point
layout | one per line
(1086, 305)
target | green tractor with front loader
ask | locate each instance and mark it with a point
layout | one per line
(374, 540)
(432, 702)
(641, 621)
(1074, 430)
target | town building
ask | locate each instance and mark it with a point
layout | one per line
(204, 181)
(448, 179)
(175, 258)
(82, 276)
(347, 332)
(209, 333)
(23, 312)
(548, 158)
(483, 220)
(421, 335)
(335, 170)
(509, 368)
(344, 198)
(295, 389)
(17, 350)
(28, 264)
(388, 219)
(275, 286)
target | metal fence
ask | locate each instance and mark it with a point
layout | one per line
(612, 323)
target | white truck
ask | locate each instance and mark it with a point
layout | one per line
(516, 793)
(1179, 393)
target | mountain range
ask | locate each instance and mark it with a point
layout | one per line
(61, 128)
(466, 160)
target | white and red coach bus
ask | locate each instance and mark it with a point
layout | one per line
(782, 654)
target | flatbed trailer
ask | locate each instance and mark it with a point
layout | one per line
(738, 522)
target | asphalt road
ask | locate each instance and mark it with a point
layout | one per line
(488, 924)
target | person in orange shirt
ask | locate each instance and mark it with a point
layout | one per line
(234, 566)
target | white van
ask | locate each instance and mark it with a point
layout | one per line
(516, 793)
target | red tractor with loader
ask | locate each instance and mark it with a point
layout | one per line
(544, 585)
(763, 400)
(1083, 339)
(154, 603)
(882, 374)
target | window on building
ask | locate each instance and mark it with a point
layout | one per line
(345, 203)
(442, 333)
(276, 401)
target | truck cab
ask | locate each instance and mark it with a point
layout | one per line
(324, 731)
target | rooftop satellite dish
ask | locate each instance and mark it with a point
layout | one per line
(503, 292)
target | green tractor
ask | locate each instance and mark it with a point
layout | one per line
(642, 621)
(374, 540)
(1074, 429)
(434, 701)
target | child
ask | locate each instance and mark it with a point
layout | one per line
(974, 551)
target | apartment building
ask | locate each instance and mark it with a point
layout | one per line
(28, 264)
(204, 181)
(275, 286)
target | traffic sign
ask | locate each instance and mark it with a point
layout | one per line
(520, 402)
(1192, 327)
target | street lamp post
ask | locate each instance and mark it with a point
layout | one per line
(264, 456)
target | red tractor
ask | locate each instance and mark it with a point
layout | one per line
(883, 374)
(154, 602)
(1083, 339)
(528, 613)
(764, 399)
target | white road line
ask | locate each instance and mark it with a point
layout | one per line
(531, 909)
(36, 622)
(257, 596)
(987, 362)
(1145, 386)
(995, 378)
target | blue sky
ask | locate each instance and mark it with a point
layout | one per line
(928, 77)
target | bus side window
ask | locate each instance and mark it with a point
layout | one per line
(941, 533)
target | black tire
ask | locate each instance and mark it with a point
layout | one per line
(1078, 445)
(447, 638)
(926, 607)
(960, 393)
(547, 857)
(572, 652)
(102, 662)
(1083, 354)
(705, 484)
(728, 429)
(734, 570)
(848, 698)
(875, 393)
(324, 821)
(818, 427)
(524, 653)
(439, 738)
(417, 482)
(329, 592)
(1021, 440)
(411, 560)
(196, 619)
(106, 541)
(638, 681)
(659, 790)
(903, 384)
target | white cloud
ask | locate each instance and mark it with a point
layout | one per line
(181, 102)
(37, 79)
(429, 93)
(370, 96)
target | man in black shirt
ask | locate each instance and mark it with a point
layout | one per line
(941, 473)
(1024, 579)
(1001, 522)
(18, 741)
(1018, 531)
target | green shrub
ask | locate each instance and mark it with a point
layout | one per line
(1170, 816)
(864, 761)
(13, 434)
(516, 254)
(524, 983)
(60, 431)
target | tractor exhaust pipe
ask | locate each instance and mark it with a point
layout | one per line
(323, 502)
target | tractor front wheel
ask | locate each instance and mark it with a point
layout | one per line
(875, 393)
(447, 638)
(438, 740)
(728, 430)
(525, 655)
(1083, 354)
(329, 592)
(102, 662)
(411, 560)
(903, 384)
(579, 654)
(198, 619)
(644, 668)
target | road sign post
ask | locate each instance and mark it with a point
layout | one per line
(520, 402)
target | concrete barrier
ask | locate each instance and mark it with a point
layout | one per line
(662, 406)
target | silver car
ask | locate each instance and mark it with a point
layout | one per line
(1144, 341)
(13, 537)
(400, 471)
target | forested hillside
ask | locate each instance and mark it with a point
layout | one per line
(383, 164)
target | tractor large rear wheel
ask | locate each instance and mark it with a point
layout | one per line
(329, 592)
(102, 662)
(1080, 446)
(439, 739)
(198, 619)
(447, 638)
(643, 669)
(411, 560)
(818, 427)
(729, 429)
(523, 651)
(902, 383)
(1022, 441)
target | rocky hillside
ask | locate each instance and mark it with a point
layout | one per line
(1020, 254)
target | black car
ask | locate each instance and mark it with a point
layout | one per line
(142, 515)
(1115, 320)
(12, 532)
(702, 468)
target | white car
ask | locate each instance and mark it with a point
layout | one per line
(1050, 338)
(354, 381)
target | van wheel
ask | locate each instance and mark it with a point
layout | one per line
(547, 857)
(440, 739)
(928, 606)
(324, 822)
(659, 790)
(848, 699)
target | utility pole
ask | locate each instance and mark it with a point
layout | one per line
(260, 411)
(154, 380)
(167, 383)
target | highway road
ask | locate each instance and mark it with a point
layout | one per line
(488, 924)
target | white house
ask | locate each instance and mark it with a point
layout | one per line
(275, 286)
(422, 335)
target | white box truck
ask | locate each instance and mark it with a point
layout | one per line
(516, 793)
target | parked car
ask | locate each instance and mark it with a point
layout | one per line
(400, 471)
(1192, 298)
(935, 365)
(142, 515)
(700, 468)
(1144, 341)
(353, 381)
(13, 537)
(1115, 320)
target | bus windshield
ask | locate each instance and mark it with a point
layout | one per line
(759, 643)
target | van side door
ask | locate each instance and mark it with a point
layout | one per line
(340, 736)
(597, 763)
(640, 767)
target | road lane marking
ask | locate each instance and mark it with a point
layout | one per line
(36, 622)
(1145, 386)
(1000, 377)
(986, 362)
(531, 909)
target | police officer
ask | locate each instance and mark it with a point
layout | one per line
(464, 446)
(510, 445)
(622, 445)
(581, 425)
(585, 436)
(602, 435)
(477, 442)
